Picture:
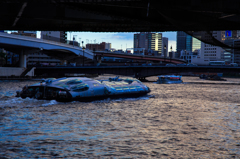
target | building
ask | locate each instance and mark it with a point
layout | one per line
(149, 41)
(192, 48)
(58, 36)
(99, 47)
(232, 55)
(187, 43)
(181, 43)
(139, 51)
(210, 52)
(236, 52)
(26, 33)
(189, 56)
(232, 39)
(165, 52)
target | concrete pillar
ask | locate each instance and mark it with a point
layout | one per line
(23, 59)
(99, 59)
(63, 62)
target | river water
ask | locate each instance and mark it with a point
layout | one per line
(196, 119)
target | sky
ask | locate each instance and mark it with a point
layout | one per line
(118, 40)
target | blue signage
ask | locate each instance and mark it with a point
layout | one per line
(228, 33)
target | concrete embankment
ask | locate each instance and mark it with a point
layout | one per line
(11, 71)
(16, 72)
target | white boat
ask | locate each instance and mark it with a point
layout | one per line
(84, 89)
(169, 79)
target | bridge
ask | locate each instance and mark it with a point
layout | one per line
(120, 15)
(139, 57)
(24, 45)
(134, 71)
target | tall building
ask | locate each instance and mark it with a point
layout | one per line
(187, 43)
(232, 39)
(188, 47)
(165, 52)
(149, 41)
(181, 43)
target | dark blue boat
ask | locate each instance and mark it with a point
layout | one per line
(169, 79)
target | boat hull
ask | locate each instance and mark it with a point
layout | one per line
(169, 79)
(169, 82)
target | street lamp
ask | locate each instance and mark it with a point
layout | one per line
(74, 38)
(83, 52)
(171, 54)
(79, 42)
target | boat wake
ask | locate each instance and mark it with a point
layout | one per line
(11, 102)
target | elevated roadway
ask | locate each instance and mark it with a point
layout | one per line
(24, 45)
(139, 57)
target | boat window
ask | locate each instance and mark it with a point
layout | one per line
(132, 80)
(60, 79)
(139, 88)
(118, 88)
(129, 81)
(74, 81)
(125, 88)
(80, 87)
(95, 84)
(30, 89)
(174, 78)
(132, 87)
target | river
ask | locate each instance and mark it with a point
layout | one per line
(196, 119)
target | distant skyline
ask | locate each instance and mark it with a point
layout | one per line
(118, 40)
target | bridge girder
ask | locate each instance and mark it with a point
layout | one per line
(119, 15)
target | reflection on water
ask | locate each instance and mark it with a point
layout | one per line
(173, 121)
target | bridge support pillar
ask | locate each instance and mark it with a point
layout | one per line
(64, 62)
(23, 59)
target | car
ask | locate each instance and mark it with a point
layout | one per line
(182, 64)
(170, 64)
(233, 64)
(192, 64)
